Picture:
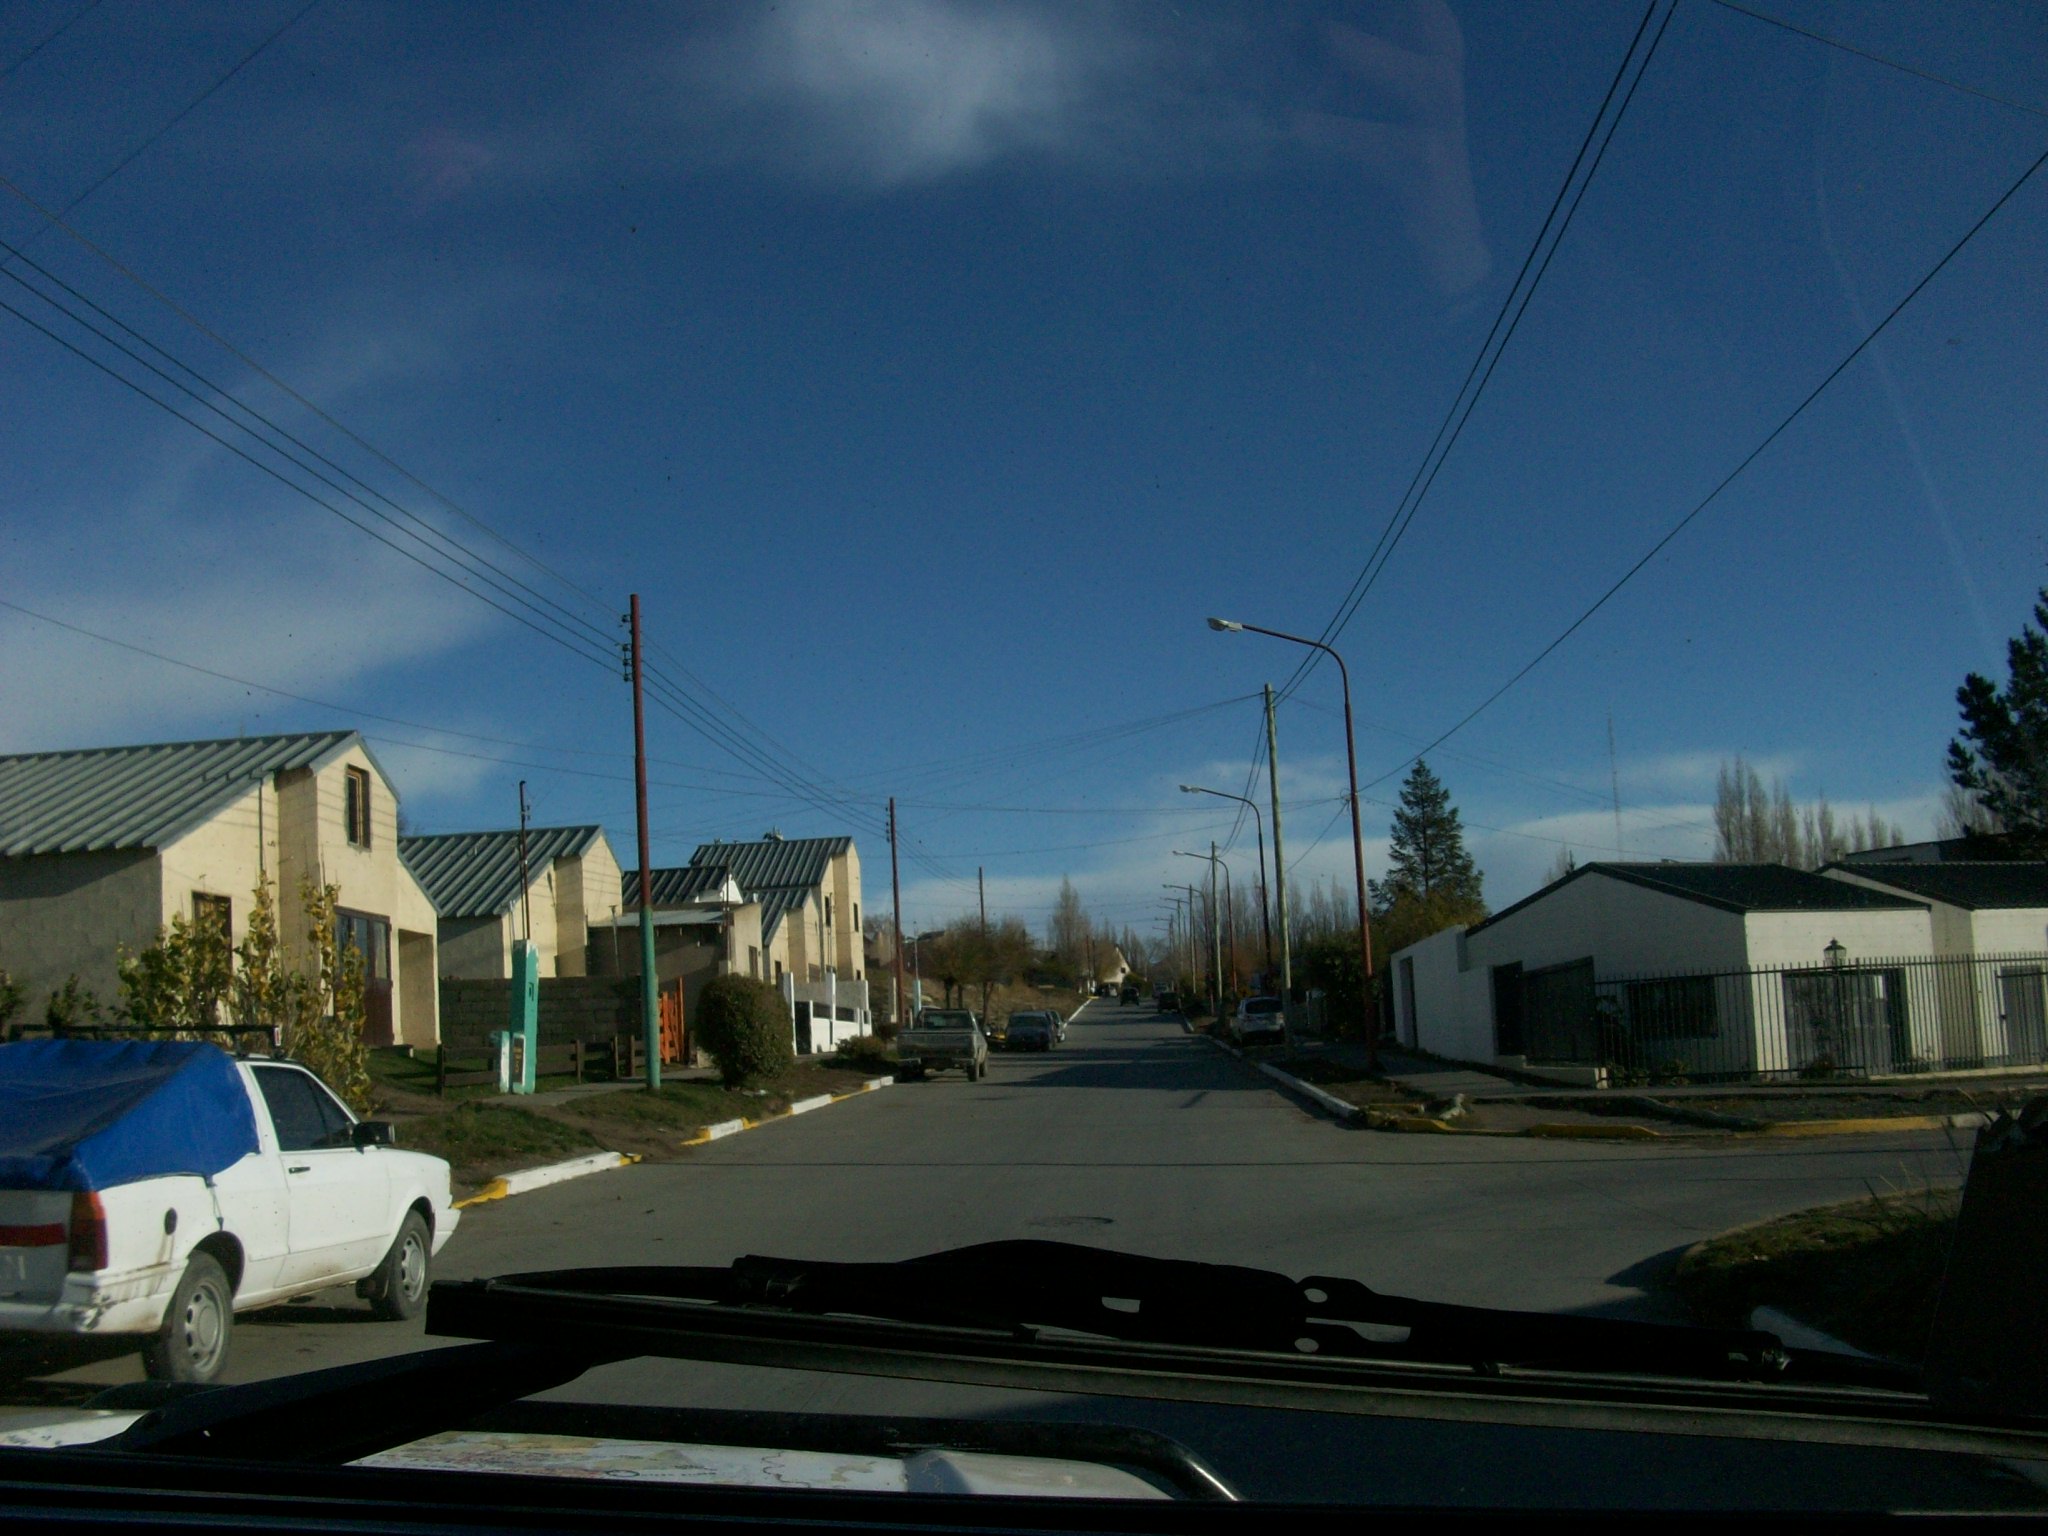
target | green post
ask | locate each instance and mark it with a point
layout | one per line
(523, 1020)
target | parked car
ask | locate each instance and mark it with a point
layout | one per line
(1169, 1002)
(1259, 1021)
(944, 1039)
(998, 1033)
(1031, 1031)
(154, 1190)
(1130, 993)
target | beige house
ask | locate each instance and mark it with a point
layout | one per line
(808, 890)
(101, 848)
(473, 880)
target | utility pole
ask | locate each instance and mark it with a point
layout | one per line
(1215, 940)
(896, 901)
(1279, 864)
(1614, 776)
(650, 997)
(525, 878)
(987, 961)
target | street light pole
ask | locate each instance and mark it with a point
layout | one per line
(1372, 1023)
(1215, 928)
(1259, 825)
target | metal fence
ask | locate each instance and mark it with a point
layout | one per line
(1869, 1019)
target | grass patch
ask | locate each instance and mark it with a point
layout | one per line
(1867, 1271)
(481, 1141)
(1354, 1085)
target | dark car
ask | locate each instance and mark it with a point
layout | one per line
(1130, 993)
(1169, 1002)
(1031, 1031)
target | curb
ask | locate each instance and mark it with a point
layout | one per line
(527, 1179)
(726, 1128)
(1875, 1124)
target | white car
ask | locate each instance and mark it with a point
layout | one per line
(156, 1189)
(1259, 1021)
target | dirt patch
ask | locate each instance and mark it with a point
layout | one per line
(1354, 1085)
(1867, 1271)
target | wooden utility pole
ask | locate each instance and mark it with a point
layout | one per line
(650, 995)
(896, 901)
(525, 875)
(1279, 863)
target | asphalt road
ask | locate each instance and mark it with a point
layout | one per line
(1132, 1135)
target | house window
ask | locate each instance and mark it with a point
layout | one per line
(356, 807)
(778, 973)
(1673, 1008)
(754, 961)
(828, 911)
(215, 912)
(856, 917)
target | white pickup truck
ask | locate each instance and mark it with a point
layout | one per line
(156, 1189)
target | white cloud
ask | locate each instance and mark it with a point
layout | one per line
(894, 91)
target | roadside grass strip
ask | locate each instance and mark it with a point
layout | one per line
(552, 1173)
(726, 1128)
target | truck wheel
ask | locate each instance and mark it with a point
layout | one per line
(192, 1345)
(398, 1289)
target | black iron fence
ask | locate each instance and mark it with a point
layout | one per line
(1871, 1018)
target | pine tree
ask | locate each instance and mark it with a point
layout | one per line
(2001, 757)
(1428, 861)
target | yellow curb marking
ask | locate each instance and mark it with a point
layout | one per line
(495, 1190)
(1853, 1127)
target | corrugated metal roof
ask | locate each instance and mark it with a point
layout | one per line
(104, 798)
(693, 882)
(476, 874)
(774, 861)
(1979, 887)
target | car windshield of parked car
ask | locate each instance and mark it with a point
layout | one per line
(1527, 793)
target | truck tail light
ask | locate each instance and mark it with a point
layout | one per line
(88, 1232)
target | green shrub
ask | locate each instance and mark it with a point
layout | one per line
(868, 1050)
(745, 1026)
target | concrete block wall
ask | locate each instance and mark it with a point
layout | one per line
(571, 1008)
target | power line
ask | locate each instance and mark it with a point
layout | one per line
(1729, 479)
(283, 479)
(50, 37)
(1505, 322)
(193, 105)
(1875, 58)
(447, 547)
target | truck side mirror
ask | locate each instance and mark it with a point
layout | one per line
(372, 1133)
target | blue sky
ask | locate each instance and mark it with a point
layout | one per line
(931, 370)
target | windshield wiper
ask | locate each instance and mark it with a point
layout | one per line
(1023, 1288)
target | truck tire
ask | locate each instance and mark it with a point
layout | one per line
(192, 1344)
(398, 1289)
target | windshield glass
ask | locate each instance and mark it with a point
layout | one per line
(1532, 764)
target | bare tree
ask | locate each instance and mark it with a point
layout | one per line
(1962, 814)
(1560, 866)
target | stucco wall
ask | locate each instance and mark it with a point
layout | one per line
(66, 914)
(1802, 938)
(1628, 929)
(1452, 1006)
(475, 948)
(2014, 930)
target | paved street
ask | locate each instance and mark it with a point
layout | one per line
(1136, 1135)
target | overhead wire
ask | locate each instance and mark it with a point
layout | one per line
(50, 37)
(1684, 522)
(1505, 323)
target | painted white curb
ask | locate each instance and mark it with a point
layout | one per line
(805, 1106)
(1801, 1335)
(527, 1179)
(1329, 1101)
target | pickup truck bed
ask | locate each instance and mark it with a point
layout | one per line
(944, 1039)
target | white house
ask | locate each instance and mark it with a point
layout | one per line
(1680, 969)
(1995, 913)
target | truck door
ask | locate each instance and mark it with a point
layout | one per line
(339, 1195)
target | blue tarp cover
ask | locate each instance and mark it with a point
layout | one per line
(90, 1114)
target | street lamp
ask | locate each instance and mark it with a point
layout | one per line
(1215, 932)
(1372, 1023)
(1259, 823)
(1836, 954)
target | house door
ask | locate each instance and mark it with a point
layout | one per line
(1507, 1009)
(803, 1029)
(2023, 999)
(372, 938)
